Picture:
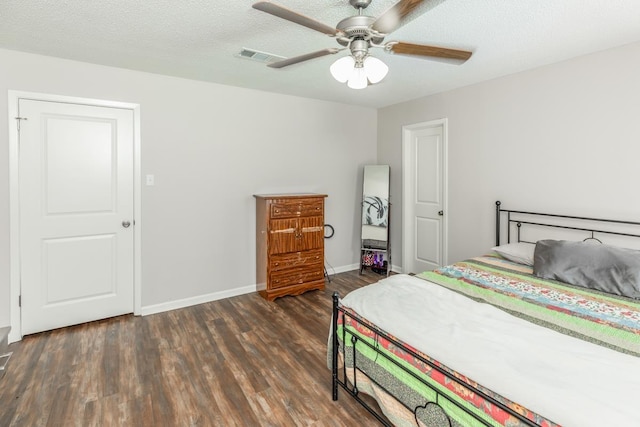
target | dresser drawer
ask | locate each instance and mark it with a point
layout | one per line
(296, 259)
(296, 276)
(294, 208)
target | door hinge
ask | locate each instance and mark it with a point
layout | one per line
(19, 300)
(18, 119)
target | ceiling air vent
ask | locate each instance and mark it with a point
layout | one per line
(256, 55)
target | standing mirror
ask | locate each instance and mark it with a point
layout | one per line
(374, 236)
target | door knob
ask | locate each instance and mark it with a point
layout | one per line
(440, 213)
(126, 224)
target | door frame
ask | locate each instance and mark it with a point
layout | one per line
(14, 197)
(407, 186)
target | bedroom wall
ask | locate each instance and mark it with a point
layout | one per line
(210, 147)
(563, 138)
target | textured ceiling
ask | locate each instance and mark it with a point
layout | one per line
(201, 39)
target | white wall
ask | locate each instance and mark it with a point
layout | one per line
(210, 147)
(564, 138)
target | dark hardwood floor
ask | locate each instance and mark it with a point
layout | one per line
(241, 361)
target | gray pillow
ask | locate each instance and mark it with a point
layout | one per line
(601, 267)
(521, 253)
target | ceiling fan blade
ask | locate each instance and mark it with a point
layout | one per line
(393, 18)
(402, 48)
(302, 58)
(289, 15)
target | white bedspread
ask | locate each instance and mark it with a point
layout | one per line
(569, 381)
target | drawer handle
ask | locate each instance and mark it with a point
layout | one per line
(284, 230)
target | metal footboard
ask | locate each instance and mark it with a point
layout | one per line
(339, 374)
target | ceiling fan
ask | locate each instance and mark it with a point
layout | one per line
(359, 33)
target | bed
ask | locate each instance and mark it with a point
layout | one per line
(500, 339)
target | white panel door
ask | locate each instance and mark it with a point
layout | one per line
(76, 213)
(424, 197)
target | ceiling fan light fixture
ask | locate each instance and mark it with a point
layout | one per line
(358, 79)
(342, 69)
(375, 69)
(357, 73)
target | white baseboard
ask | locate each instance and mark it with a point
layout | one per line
(201, 299)
(331, 270)
(351, 267)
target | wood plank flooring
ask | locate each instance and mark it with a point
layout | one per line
(241, 361)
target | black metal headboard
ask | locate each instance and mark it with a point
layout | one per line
(590, 226)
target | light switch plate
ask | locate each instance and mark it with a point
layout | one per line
(150, 180)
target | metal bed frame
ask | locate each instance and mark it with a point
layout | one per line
(520, 218)
(339, 375)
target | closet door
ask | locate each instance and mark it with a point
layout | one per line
(425, 196)
(76, 213)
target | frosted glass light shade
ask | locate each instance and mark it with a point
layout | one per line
(358, 79)
(342, 69)
(375, 69)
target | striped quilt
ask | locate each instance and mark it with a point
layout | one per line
(442, 388)
(604, 319)
(607, 320)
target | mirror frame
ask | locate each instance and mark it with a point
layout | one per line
(375, 248)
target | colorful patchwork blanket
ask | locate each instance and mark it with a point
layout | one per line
(608, 320)
(438, 383)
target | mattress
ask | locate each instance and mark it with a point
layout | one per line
(554, 353)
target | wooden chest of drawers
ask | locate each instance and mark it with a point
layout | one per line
(289, 244)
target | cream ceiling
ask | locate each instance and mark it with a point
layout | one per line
(200, 39)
